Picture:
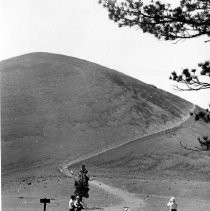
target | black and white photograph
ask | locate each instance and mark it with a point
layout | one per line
(105, 105)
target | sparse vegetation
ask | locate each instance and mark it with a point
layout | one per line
(203, 141)
(201, 115)
(204, 144)
(81, 183)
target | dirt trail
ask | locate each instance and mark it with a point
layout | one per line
(93, 154)
(128, 200)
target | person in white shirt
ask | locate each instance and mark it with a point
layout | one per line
(172, 204)
(78, 204)
(71, 203)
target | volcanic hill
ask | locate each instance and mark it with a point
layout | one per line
(56, 107)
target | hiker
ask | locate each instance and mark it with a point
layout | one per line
(71, 203)
(172, 204)
(78, 204)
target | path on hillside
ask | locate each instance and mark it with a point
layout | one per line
(128, 199)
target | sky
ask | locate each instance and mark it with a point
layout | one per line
(82, 29)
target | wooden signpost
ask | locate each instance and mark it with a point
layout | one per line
(45, 201)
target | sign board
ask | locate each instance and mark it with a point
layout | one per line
(45, 201)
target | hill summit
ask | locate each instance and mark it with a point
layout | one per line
(56, 107)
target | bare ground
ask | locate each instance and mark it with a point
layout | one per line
(110, 190)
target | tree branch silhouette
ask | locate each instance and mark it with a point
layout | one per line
(191, 19)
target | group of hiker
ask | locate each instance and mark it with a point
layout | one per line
(75, 203)
(81, 189)
(81, 185)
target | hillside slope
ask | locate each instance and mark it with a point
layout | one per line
(56, 107)
(156, 156)
(156, 166)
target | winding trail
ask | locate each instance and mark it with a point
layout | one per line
(128, 200)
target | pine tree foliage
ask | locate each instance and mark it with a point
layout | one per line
(202, 115)
(204, 143)
(192, 80)
(190, 19)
